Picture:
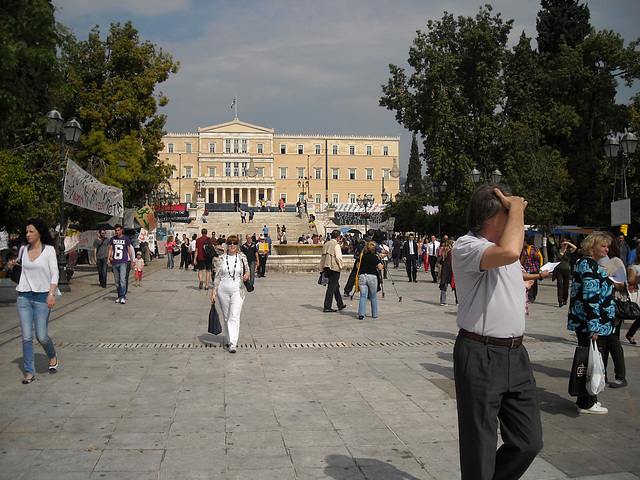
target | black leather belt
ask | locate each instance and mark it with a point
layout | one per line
(501, 342)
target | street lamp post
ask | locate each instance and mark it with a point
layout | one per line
(439, 189)
(612, 146)
(68, 132)
(167, 199)
(365, 202)
(476, 176)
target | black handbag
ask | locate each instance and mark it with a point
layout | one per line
(247, 283)
(215, 327)
(577, 379)
(16, 271)
(625, 308)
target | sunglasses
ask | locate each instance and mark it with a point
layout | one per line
(232, 243)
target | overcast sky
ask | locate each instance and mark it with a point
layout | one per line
(298, 66)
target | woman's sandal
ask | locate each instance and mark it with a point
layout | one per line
(27, 381)
(53, 368)
(630, 338)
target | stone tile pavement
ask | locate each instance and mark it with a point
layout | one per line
(144, 392)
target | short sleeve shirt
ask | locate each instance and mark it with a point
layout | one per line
(492, 301)
(102, 247)
(120, 249)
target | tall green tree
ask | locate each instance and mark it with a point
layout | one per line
(110, 85)
(561, 22)
(452, 98)
(28, 39)
(414, 170)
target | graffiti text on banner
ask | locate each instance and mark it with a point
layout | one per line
(357, 218)
(83, 190)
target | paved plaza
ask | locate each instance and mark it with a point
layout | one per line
(144, 392)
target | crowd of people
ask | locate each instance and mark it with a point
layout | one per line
(493, 271)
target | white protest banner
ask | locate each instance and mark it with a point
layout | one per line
(85, 191)
(84, 240)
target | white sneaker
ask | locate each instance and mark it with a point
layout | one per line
(123, 301)
(118, 300)
(232, 349)
(596, 409)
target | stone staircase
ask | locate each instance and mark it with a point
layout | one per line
(227, 223)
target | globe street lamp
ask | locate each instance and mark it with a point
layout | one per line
(476, 175)
(167, 199)
(68, 132)
(612, 147)
(365, 202)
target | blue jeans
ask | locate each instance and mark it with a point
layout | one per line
(169, 259)
(121, 277)
(368, 286)
(33, 310)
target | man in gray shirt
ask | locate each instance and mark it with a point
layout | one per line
(100, 255)
(493, 375)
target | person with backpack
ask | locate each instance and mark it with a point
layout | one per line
(358, 249)
(205, 252)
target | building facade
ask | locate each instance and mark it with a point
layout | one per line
(240, 162)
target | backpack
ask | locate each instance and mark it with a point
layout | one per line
(359, 249)
(208, 250)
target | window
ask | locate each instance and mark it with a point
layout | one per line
(318, 149)
(283, 172)
(212, 147)
(283, 148)
(236, 169)
(283, 196)
(385, 173)
(317, 173)
(318, 198)
(334, 149)
(352, 149)
(369, 173)
(170, 147)
(260, 172)
(300, 172)
(385, 150)
(300, 149)
(187, 197)
(212, 171)
(261, 148)
(369, 149)
(244, 166)
(352, 174)
(227, 145)
(187, 172)
(244, 146)
(352, 198)
(187, 147)
(227, 169)
(236, 145)
(334, 173)
(172, 174)
(335, 198)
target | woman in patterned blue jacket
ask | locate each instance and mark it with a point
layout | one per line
(592, 306)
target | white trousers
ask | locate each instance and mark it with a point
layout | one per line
(228, 296)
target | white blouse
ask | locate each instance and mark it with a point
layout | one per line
(38, 275)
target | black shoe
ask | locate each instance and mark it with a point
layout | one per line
(618, 384)
(327, 310)
(27, 381)
(342, 307)
(630, 338)
(415, 281)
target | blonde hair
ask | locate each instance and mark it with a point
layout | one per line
(594, 239)
(370, 247)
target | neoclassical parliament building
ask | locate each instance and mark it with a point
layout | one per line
(240, 162)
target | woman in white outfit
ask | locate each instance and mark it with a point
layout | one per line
(232, 268)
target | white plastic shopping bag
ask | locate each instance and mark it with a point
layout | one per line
(595, 370)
